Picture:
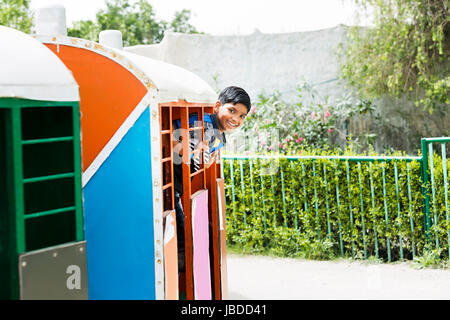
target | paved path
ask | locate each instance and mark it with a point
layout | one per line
(260, 277)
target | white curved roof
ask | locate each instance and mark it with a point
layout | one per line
(173, 83)
(29, 70)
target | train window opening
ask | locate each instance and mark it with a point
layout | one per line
(48, 181)
(190, 118)
(49, 195)
(46, 122)
(46, 159)
(49, 230)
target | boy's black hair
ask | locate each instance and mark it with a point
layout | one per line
(235, 95)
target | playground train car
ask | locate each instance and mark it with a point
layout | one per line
(127, 104)
(42, 247)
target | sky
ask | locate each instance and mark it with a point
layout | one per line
(235, 17)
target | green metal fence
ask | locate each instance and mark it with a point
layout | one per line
(435, 207)
(388, 207)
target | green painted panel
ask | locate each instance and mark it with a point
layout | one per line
(38, 140)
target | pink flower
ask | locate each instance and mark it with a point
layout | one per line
(313, 115)
(253, 110)
(327, 114)
(262, 143)
(295, 134)
(287, 140)
(330, 130)
(280, 144)
(270, 148)
(299, 140)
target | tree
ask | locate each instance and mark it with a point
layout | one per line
(86, 29)
(181, 22)
(136, 21)
(16, 14)
(406, 53)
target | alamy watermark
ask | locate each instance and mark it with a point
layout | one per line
(74, 280)
(266, 145)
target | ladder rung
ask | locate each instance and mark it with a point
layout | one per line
(167, 186)
(195, 128)
(165, 159)
(165, 131)
(52, 177)
(197, 172)
(48, 212)
(47, 140)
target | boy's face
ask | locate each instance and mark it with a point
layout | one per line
(230, 116)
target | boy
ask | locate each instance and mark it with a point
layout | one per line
(229, 114)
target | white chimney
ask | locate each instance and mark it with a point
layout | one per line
(111, 38)
(51, 20)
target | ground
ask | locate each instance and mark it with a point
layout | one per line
(262, 277)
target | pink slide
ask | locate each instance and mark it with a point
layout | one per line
(200, 235)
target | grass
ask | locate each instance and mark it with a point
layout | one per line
(431, 258)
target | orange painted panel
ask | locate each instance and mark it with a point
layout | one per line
(170, 256)
(108, 94)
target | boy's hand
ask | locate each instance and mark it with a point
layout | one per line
(202, 146)
(212, 159)
(214, 156)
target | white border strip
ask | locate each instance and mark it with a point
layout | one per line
(155, 142)
(115, 139)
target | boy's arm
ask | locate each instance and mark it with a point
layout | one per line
(177, 147)
(202, 146)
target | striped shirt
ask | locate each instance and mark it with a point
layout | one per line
(216, 140)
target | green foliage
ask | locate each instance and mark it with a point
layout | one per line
(318, 207)
(181, 22)
(406, 53)
(84, 29)
(16, 14)
(311, 122)
(136, 20)
(430, 258)
(440, 225)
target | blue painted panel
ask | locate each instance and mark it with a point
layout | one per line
(118, 209)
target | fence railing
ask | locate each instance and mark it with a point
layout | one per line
(429, 174)
(387, 207)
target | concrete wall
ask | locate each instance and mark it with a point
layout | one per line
(256, 62)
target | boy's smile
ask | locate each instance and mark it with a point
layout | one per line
(230, 116)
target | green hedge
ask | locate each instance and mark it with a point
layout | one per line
(308, 222)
